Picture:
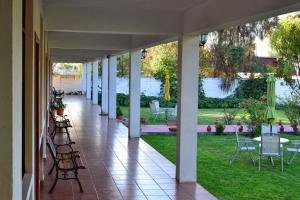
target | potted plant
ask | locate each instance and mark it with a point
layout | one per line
(219, 128)
(144, 120)
(60, 107)
(119, 113)
(208, 128)
(241, 128)
(281, 129)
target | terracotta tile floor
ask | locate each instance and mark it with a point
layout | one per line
(117, 167)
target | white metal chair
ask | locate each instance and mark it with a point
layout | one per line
(293, 150)
(270, 147)
(242, 145)
(155, 109)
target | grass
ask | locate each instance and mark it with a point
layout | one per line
(240, 180)
(205, 116)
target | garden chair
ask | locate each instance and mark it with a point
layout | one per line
(293, 150)
(242, 145)
(270, 146)
(155, 109)
(61, 125)
(66, 165)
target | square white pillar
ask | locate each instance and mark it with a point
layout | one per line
(89, 81)
(83, 83)
(95, 82)
(188, 63)
(104, 86)
(112, 93)
(134, 93)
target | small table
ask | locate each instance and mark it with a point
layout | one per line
(282, 140)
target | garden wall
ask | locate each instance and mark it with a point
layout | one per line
(151, 86)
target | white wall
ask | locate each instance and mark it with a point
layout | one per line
(151, 86)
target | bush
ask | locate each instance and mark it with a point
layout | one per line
(251, 88)
(229, 102)
(219, 128)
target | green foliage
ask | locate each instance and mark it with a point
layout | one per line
(236, 54)
(119, 111)
(292, 110)
(208, 102)
(219, 128)
(251, 88)
(256, 110)
(229, 115)
(58, 104)
(285, 39)
(123, 65)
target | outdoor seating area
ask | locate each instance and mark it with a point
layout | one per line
(66, 160)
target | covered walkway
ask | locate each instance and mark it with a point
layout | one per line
(117, 167)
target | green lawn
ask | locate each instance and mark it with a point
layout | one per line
(240, 180)
(205, 116)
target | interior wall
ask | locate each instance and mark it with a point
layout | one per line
(34, 31)
(11, 100)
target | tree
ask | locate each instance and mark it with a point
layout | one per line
(285, 40)
(232, 49)
(123, 65)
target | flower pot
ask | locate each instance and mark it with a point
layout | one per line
(144, 120)
(281, 129)
(208, 128)
(60, 111)
(120, 117)
(241, 128)
(295, 128)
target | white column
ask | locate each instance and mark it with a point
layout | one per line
(104, 86)
(95, 82)
(188, 63)
(89, 81)
(134, 93)
(83, 84)
(11, 100)
(112, 95)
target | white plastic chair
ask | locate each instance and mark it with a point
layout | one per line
(242, 145)
(293, 150)
(155, 110)
(270, 146)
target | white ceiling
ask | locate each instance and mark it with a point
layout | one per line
(114, 26)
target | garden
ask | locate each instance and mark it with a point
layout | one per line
(230, 55)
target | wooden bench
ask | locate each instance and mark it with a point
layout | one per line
(66, 164)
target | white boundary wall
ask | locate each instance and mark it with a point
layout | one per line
(151, 86)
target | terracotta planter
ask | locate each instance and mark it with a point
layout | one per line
(60, 111)
(120, 117)
(295, 128)
(241, 128)
(208, 128)
(144, 120)
(281, 129)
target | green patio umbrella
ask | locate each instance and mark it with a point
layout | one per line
(271, 99)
